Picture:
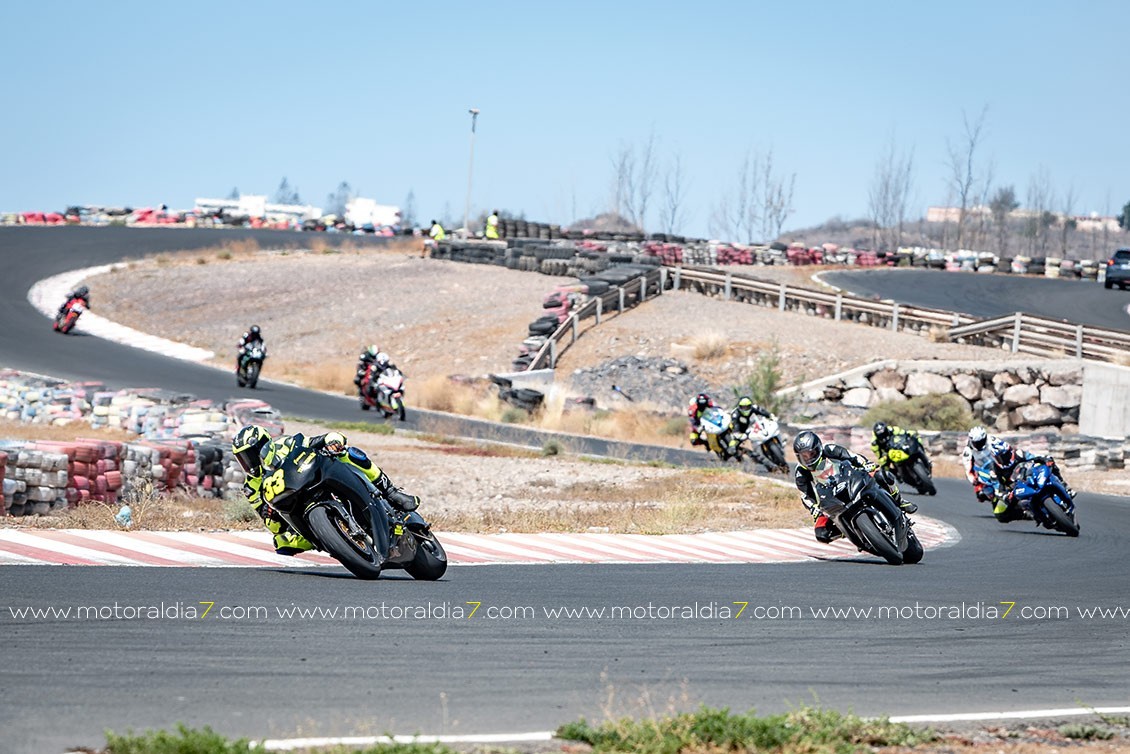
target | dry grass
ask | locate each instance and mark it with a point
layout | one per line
(480, 399)
(701, 500)
(710, 345)
(938, 334)
(332, 377)
(153, 511)
(12, 430)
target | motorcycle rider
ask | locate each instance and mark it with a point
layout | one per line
(742, 417)
(883, 436)
(985, 451)
(367, 357)
(253, 337)
(814, 464)
(697, 408)
(253, 448)
(82, 293)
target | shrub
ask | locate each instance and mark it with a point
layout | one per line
(514, 416)
(710, 345)
(766, 380)
(936, 412)
(551, 448)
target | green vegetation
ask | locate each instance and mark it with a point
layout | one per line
(674, 426)
(762, 385)
(1086, 732)
(551, 448)
(803, 731)
(184, 741)
(933, 412)
(515, 416)
(375, 429)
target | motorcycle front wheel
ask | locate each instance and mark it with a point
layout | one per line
(333, 533)
(881, 544)
(252, 376)
(430, 562)
(1064, 521)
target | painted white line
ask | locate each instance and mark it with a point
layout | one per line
(1014, 715)
(49, 293)
(290, 744)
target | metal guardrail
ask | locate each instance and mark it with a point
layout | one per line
(1028, 333)
(836, 306)
(614, 301)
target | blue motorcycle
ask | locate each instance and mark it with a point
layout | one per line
(1040, 494)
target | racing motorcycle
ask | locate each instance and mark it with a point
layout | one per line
(386, 394)
(765, 434)
(718, 427)
(910, 463)
(250, 364)
(342, 514)
(66, 319)
(867, 515)
(1039, 494)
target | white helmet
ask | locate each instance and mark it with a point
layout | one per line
(978, 437)
(382, 359)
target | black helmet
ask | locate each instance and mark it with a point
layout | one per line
(246, 446)
(702, 401)
(808, 448)
(882, 431)
(254, 330)
(82, 291)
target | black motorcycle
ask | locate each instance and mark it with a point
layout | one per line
(867, 515)
(250, 364)
(910, 463)
(338, 510)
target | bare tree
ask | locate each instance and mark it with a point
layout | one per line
(889, 193)
(623, 166)
(234, 193)
(1002, 205)
(734, 215)
(284, 194)
(641, 183)
(962, 164)
(1040, 199)
(1069, 223)
(983, 218)
(337, 200)
(778, 193)
(759, 204)
(672, 214)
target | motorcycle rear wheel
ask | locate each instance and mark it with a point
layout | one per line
(330, 529)
(1064, 521)
(881, 545)
(430, 562)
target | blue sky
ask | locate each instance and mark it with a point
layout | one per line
(143, 103)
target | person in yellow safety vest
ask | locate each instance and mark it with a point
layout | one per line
(492, 225)
(437, 233)
(253, 447)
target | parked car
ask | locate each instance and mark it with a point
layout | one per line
(1118, 269)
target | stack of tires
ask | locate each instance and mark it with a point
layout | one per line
(523, 398)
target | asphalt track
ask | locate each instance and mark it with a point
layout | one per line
(987, 296)
(270, 675)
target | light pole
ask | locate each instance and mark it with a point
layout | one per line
(470, 168)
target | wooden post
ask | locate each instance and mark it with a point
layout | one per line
(599, 308)
(552, 353)
(1016, 332)
(621, 300)
(729, 284)
(678, 278)
(573, 321)
(895, 317)
(781, 299)
(643, 288)
(839, 306)
(662, 279)
(1079, 341)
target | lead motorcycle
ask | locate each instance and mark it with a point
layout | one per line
(250, 365)
(66, 319)
(342, 514)
(910, 463)
(867, 515)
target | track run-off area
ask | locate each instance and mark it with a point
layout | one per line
(1005, 618)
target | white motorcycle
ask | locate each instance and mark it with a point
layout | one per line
(765, 435)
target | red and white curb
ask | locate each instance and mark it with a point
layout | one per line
(49, 293)
(253, 549)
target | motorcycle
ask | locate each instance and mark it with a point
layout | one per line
(765, 434)
(867, 515)
(250, 364)
(717, 425)
(342, 514)
(386, 394)
(66, 319)
(910, 463)
(1040, 494)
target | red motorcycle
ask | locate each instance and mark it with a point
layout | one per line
(383, 391)
(65, 320)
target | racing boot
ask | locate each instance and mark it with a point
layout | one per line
(825, 530)
(396, 497)
(887, 479)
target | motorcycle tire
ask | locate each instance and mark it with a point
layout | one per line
(252, 376)
(923, 483)
(1064, 521)
(400, 412)
(326, 523)
(914, 550)
(776, 453)
(364, 405)
(430, 562)
(880, 544)
(239, 381)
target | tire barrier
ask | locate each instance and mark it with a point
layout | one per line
(183, 444)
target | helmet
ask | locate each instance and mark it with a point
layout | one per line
(1005, 456)
(382, 359)
(82, 291)
(808, 448)
(254, 329)
(882, 431)
(373, 350)
(246, 446)
(977, 438)
(745, 406)
(702, 401)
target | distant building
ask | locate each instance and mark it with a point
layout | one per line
(361, 212)
(1092, 223)
(253, 205)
